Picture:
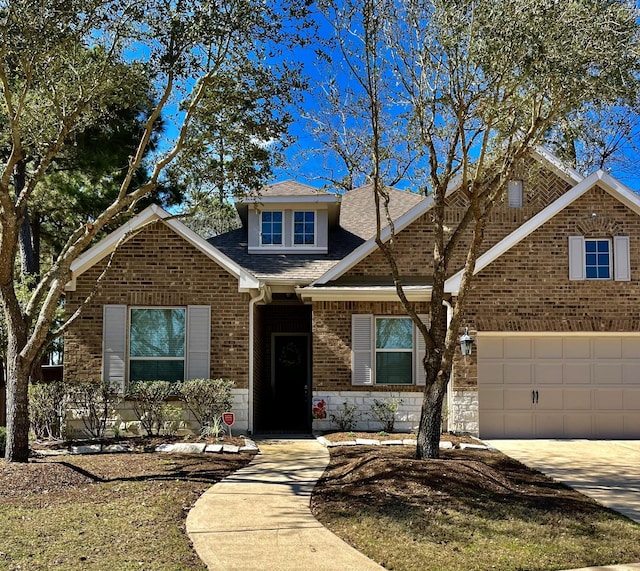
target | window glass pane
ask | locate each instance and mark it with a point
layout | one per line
(394, 333)
(157, 333)
(271, 228)
(393, 368)
(304, 228)
(143, 370)
(597, 259)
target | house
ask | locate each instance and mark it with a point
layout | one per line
(297, 307)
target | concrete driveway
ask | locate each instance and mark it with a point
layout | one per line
(606, 470)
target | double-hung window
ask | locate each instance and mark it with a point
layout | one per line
(304, 228)
(271, 228)
(597, 263)
(599, 258)
(157, 344)
(394, 351)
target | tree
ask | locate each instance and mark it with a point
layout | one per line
(64, 65)
(476, 84)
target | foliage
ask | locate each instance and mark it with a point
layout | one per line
(385, 412)
(455, 95)
(346, 417)
(69, 68)
(47, 410)
(171, 418)
(148, 400)
(95, 402)
(207, 399)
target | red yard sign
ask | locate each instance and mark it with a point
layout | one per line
(229, 418)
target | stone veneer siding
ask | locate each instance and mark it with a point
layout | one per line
(157, 267)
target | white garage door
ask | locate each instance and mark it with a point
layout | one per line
(552, 386)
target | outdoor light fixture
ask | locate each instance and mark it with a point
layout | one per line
(466, 342)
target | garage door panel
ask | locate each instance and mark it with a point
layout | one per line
(517, 348)
(631, 399)
(608, 348)
(577, 372)
(547, 373)
(491, 371)
(631, 425)
(608, 373)
(549, 425)
(630, 347)
(491, 347)
(578, 425)
(549, 399)
(518, 425)
(608, 426)
(610, 399)
(577, 399)
(492, 426)
(518, 399)
(519, 373)
(491, 398)
(547, 348)
(631, 373)
(576, 347)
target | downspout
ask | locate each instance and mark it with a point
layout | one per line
(450, 383)
(252, 303)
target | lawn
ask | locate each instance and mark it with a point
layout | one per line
(470, 510)
(104, 512)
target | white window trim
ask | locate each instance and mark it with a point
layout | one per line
(377, 350)
(186, 340)
(610, 247)
(293, 229)
(284, 225)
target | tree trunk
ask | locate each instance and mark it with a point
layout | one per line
(17, 448)
(431, 419)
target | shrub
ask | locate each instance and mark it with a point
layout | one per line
(346, 417)
(95, 402)
(3, 440)
(207, 399)
(171, 418)
(385, 412)
(47, 409)
(149, 403)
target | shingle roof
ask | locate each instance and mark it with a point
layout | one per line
(357, 224)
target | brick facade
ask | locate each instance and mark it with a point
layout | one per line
(331, 325)
(157, 267)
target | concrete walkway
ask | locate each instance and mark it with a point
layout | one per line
(258, 518)
(607, 471)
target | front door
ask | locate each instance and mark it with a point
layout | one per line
(290, 381)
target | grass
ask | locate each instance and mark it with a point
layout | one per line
(104, 512)
(471, 510)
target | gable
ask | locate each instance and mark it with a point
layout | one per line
(622, 204)
(152, 215)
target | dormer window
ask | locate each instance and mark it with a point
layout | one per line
(271, 228)
(304, 228)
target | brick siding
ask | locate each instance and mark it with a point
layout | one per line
(157, 267)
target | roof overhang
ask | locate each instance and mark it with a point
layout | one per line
(599, 178)
(246, 281)
(363, 293)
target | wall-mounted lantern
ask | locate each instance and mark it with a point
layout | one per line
(466, 342)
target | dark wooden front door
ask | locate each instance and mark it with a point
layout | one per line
(290, 382)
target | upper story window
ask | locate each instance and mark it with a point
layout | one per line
(304, 228)
(597, 264)
(271, 228)
(515, 193)
(157, 338)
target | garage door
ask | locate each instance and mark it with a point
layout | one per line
(551, 386)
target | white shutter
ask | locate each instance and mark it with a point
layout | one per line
(362, 349)
(198, 342)
(114, 345)
(419, 352)
(621, 259)
(576, 258)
